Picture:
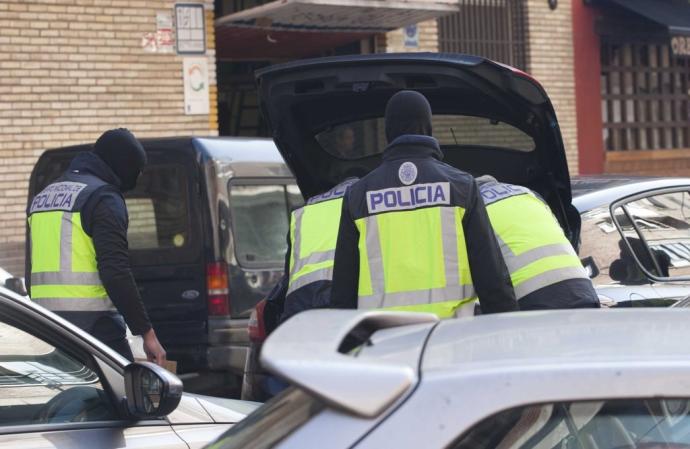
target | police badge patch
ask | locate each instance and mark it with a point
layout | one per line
(407, 173)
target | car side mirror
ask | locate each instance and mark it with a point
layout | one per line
(152, 391)
(16, 285)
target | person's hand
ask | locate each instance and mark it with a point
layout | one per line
(153, 349)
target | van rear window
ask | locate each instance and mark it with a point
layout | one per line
(260, 214)
(159, 209)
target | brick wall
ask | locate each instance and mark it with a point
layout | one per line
(550, 60)
(70, 70)
(649, 162)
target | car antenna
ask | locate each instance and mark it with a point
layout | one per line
(454, 138)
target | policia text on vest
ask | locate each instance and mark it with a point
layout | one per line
(415, 236)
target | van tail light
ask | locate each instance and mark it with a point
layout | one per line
(257, 328)
(218, 289)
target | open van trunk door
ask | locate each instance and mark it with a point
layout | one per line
(326, 116)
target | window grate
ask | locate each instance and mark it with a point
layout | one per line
(645, 101)
(495, 29)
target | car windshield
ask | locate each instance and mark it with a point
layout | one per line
(621, 424)
(362, 138)
(272, 422)
(259, 213)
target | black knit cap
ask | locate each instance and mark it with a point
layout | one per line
(407, 112)
(124, 155)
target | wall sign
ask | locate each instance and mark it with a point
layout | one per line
(196, 91)
(165, 39)
(190, 28)
(411, 36)
(680, 45)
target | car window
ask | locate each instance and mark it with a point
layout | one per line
(272, 422)
(601, 241)
(661, 235)
(159, 209)
(41, 384)
(260, 216)
(362, 138)
(621, 424)
(619, 280)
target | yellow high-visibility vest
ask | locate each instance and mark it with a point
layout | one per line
(313, 237)
(64, 274)
(534, 247)
(415, 260)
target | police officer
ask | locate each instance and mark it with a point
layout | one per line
(78, 262)
(546, 272)
(414, 234)
(311, 248)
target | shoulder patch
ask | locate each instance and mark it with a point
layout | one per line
(407, 173)
(493, 192)
(58, 196)
(408, 197)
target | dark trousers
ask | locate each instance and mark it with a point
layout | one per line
(108, 327)
(568, 294)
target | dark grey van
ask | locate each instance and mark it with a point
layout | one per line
(207, 226)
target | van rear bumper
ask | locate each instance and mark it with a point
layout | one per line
(228, 344)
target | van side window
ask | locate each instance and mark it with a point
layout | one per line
(158, 209)
(260, 221)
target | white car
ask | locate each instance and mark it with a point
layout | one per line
(584, 379)
(61, 388)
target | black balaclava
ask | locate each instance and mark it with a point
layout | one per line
(407, 112)
(124, 155)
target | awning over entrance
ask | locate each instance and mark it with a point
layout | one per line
(673, 14)
(296, 28)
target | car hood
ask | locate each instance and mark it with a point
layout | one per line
(199, 409)
(301, 99)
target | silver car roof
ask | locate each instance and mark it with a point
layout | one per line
(590, 192)
(499, 362)
(563, 337)
(529, 357)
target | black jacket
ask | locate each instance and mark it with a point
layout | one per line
(104, 218)
(489, 273)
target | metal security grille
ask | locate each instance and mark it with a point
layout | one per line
(645, 101)
(495, 29)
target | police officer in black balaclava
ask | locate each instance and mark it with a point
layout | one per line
(407, 113)
(418, 215)
(100, 177)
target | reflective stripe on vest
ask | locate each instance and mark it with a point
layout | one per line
(313, 236)
(407, 264)
(536, 252)
(64, 275)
